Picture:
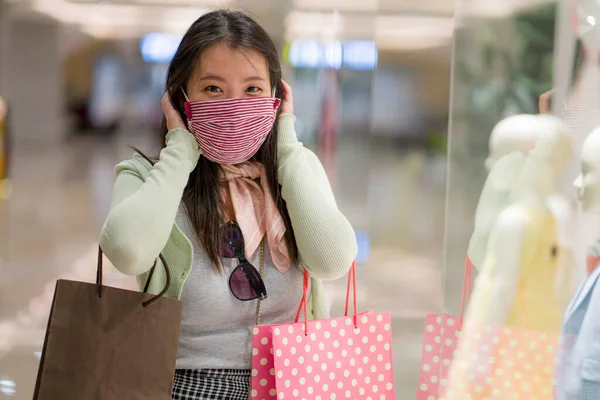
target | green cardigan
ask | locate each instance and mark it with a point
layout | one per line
(141, 221)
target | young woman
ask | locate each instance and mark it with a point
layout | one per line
(235, 204)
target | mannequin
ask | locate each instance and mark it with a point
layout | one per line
(514, 133)
(578, 368)
(510, 142)
(581, 112)
(587, 183)
(524, 262)
(526, 236)
(581, 108)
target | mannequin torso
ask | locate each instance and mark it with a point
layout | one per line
(578, 369)
(510, 141)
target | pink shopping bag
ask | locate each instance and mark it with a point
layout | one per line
(502, 362)
(439, 345)
(263, 364)
(346, 358)
(440, 342)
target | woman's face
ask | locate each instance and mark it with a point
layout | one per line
(225, 73)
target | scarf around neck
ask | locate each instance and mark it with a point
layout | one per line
(255, 210)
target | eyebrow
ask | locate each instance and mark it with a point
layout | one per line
(221, 79)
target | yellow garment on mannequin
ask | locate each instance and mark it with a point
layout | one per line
(507, 345)
(536, 305)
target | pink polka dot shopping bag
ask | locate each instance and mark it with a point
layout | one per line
(480, 361)
(440, 341)
(341, 358)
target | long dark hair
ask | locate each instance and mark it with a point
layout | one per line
(201, 198)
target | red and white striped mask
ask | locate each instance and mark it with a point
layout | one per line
(231, 131)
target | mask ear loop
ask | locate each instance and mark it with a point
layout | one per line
(185, 95)
(186, 106)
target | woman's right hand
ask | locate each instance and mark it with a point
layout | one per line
(174, 120)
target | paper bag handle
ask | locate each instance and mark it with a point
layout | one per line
(352, 282)
(99, 271)
(466, 290)
(304, 301)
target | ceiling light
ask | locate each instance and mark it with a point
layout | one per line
(164, 3)
(328, 26)
(409, 26)
(7, 383)
(411, 44)
(342, 5)
(110, 20)
(389, 31)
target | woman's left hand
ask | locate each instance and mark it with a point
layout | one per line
(287, 106)
(544, 102)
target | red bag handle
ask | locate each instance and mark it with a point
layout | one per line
(352, 281)
(466, 290)
(304, 301)
(467, 287)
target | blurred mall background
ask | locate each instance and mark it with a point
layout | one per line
(83, 79)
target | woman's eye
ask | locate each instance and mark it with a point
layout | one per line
(213, 89)
(253, 89)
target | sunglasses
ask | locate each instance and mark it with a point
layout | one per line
(245, 281)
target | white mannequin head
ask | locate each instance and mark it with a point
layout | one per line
(514, 133)
(588, 23)
(588, 183)
(554, 141)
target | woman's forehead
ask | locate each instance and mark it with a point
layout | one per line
(222, 61)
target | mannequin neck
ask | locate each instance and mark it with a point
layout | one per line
(538, 179)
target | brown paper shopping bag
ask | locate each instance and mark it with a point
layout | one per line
(104, 343)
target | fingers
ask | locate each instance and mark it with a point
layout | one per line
(288, 100)
(544, 102)
(166, 104)
(287, 90)
(171, 114)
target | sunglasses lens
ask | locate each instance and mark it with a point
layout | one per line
(246, 284)
(232, 245)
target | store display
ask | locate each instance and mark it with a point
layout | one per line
(578, 368)
(509, 143)
(523, 266)
(524, 246)
(581, 107)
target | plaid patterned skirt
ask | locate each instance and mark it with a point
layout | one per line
(211, 384)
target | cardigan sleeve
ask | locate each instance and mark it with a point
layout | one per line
(325, 239)
(143, 211)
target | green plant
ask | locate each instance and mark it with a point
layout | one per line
(506, 78)
(437, 141)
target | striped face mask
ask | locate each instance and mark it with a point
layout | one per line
(231, 131)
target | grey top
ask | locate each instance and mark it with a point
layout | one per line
(216, 328)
